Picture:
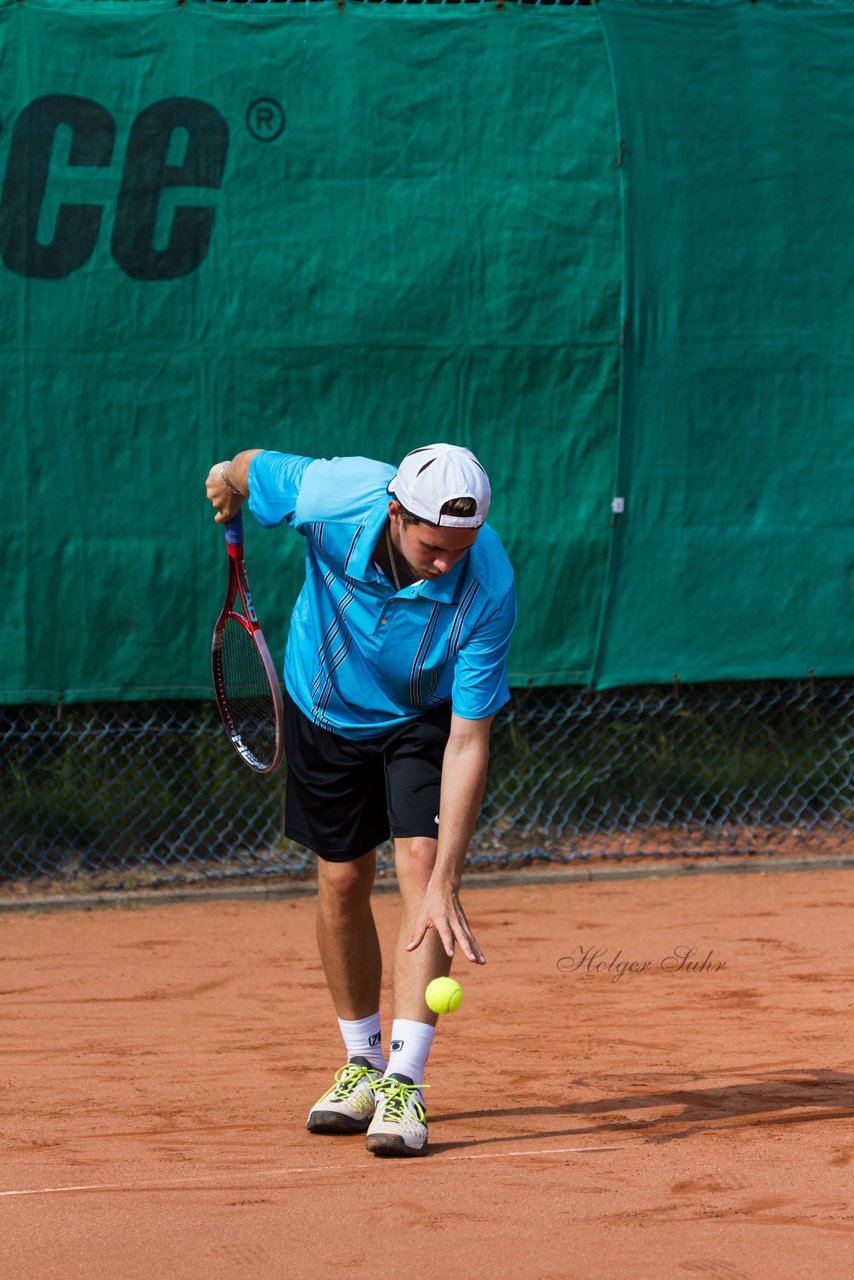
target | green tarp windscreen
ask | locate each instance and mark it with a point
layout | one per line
(609, 247)
(734, 557)
(318, 230)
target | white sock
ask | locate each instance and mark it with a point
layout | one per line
(410, 1045)
(363, 1039)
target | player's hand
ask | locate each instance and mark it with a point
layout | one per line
(225, 503)
(442, 910)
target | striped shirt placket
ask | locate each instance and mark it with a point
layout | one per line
(421, 657)
(456, 629)
(356, 536)
(327, 663)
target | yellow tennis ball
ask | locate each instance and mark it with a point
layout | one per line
(443, 995)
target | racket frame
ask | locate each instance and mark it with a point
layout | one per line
(238, 587)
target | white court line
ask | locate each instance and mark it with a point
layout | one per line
(161, 1184)
(546, 1151)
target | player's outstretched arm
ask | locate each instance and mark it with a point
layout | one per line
(463, 780)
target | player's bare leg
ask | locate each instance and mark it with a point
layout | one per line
(351, 959)
(399, 1125)
(347, 935)
(414, 860)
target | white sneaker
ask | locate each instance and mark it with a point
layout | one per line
(399, 1126)
(348, 1106)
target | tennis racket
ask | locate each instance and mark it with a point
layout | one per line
(244, 678)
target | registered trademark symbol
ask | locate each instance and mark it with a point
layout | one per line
(265, 119)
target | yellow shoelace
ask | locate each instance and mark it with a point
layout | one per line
(401, 1099)
(347, 1078)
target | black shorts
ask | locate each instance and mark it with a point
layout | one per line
(344, 797)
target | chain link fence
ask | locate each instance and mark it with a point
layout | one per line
(495, 4)
(136, 794)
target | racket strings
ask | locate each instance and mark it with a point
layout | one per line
(247, 694)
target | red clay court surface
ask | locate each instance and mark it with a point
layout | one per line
(586, 1120)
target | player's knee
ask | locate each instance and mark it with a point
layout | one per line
(344, 886)
(423, 851)
(415, 859)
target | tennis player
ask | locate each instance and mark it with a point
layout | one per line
(395, 666)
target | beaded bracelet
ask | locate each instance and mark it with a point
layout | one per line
(238, 493)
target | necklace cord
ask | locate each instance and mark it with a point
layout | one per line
(391, 559)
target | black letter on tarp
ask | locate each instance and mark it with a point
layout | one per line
(147, 173)
(27, 172)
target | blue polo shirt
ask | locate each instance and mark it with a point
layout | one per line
(360, 655)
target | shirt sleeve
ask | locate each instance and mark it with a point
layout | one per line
(480, 676)
(274, 485)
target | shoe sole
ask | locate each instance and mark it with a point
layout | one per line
(391, 1144)
(334, 1122)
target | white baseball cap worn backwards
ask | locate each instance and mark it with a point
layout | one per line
(429, 477)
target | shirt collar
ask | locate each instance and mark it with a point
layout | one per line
(359, 565)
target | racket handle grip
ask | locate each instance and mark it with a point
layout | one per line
(234, 530)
